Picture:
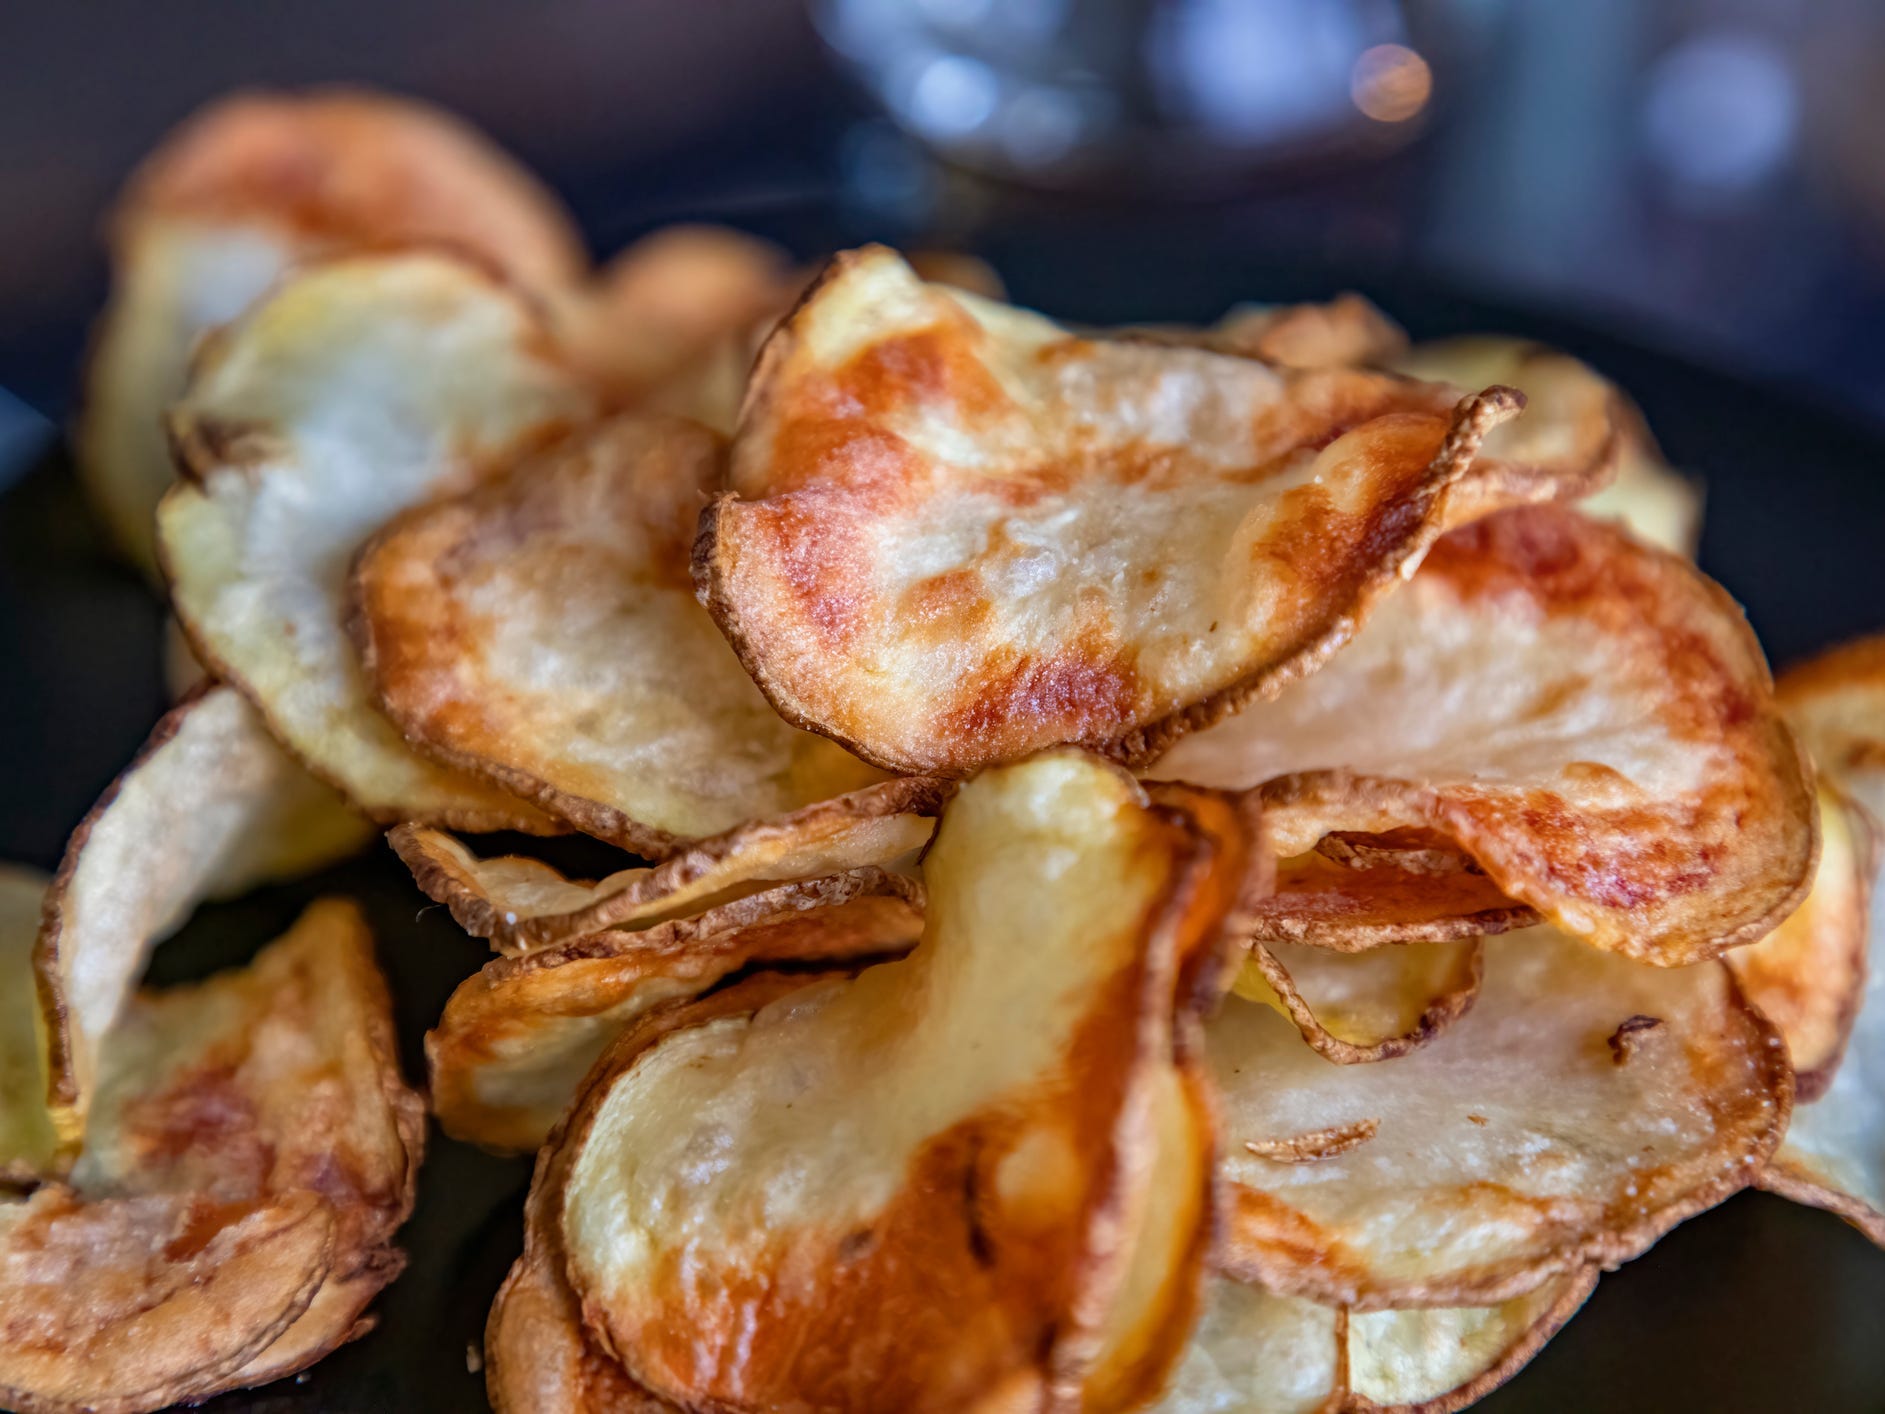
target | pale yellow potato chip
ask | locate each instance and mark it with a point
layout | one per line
(523, 904)
(208, 808)
(977, 1173)
(356, 390)
(1589, 719)
(1355, 1007)
(516, 1039)
(1254, 1352)
(1582, 1107)
(238, 195)
(958, 533)
(541, 632)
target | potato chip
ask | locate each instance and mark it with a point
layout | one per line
(1808, 975)
(277, 1077)
(248, 188)
(209, 807)
(1367, 1006)
(1834, 1153)
(979, 1172)
(27, 1141)
(1364, 905)
(1589, 718)
(134, 1303)
(356, 390)
(522, 904)
(516, 1039)
(1254, 1352)
(1346, 332)
(958, 533)
(541, 632)
(1436, 1361)
(1581, 1108)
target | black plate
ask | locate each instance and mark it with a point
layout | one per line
(1756, 1306)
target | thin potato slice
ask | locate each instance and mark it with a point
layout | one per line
(516, 1039)
(1584, 1106)
(1358, 907)
(979, 1172)
(522, 904)
(1346, 332)
(1436, 1361)
(28, 1143)
(278, 1077)
(1369, 1006)
(1589, 718)
(1834, 1153)
(1254, 1352)
(1808, 975)
(354, 391)
(541, 632)
(209, 807)
(539, 1360)
(958, 533)
(135, 1303)
(243, 191)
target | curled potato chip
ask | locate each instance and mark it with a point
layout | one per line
(210, 806)
(979, 1172)
(354, 391)
(541, 632)
(1808, 975)
(1584, 1106)
(133, 1303)
(1367, 1006)
(522, 904)
(957, 533)
(243, 191)
(278, 1077)
(27, 1141)
(1439, 1360)
(1834, 1153)
(1589, 718)
(1375, 902)
(516, 1039)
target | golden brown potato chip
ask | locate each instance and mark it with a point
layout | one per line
(1584, 1106)
(1808, 975)
(278, 1077)
(134, 1303)
(1589, 718)
(243, 191)
(1438, 1360)
(958, 533)
(209, 807)
(1365, 1006)
(357, 389)
(522, 904)
(1834, 1153)
(1371, 903)
(541, 632)
(27, 1141)
(1346, 332)
(979, 1172)
(516, 1039)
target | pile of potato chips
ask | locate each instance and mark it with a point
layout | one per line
(1228, 869)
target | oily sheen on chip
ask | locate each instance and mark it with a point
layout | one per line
(957, 533)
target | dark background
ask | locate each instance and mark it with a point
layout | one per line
(1692, 195)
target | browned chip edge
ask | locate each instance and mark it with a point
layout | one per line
(1441, 1012)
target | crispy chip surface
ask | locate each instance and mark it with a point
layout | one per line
(1254, 1352)
(1366, 1006)
(1834, 1153)
(356, 390)
(1582, 1107)
(958, 532)
(135, 1303)
(27, 1140)
(523, 904)
(248, 188)
(1360, 905)
(984, 1168)
(541, 632)
(209, 807)
(516, 1039)
(1589, 718)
